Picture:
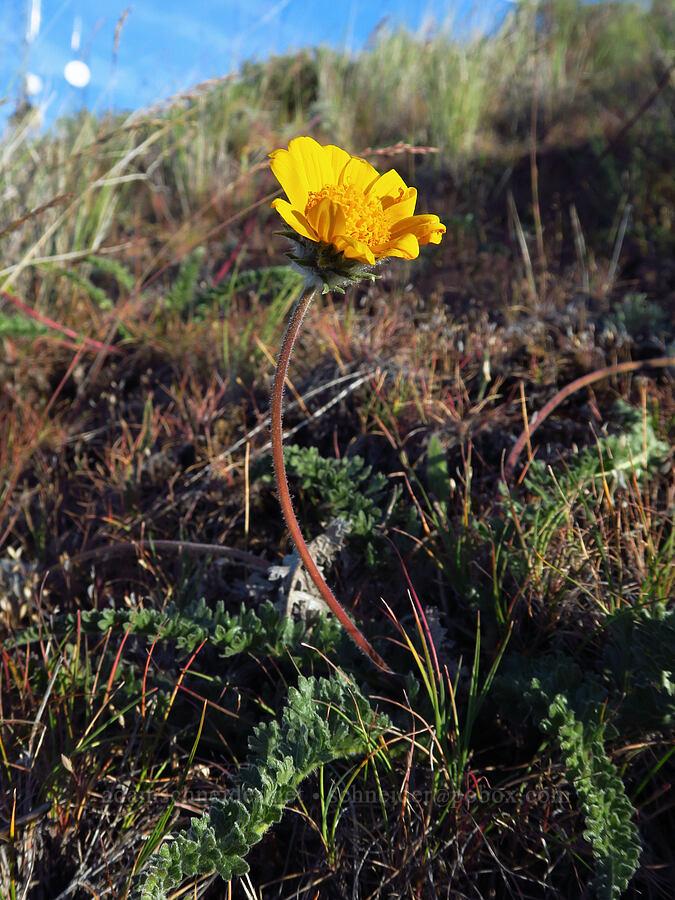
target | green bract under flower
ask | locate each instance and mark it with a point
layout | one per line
(324, 266)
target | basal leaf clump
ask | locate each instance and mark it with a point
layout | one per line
(265, 631)
(640, 662)
(610, 829)
(344, 488)
(185, 285)
(324, 720)
(570, 708)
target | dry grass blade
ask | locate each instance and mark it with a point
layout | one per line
(17, 223)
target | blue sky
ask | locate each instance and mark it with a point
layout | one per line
(166, 47)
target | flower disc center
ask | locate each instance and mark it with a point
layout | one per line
(364, 215)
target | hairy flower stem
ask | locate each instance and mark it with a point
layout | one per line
(282, 481)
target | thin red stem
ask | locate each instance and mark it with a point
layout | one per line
(282, 481)
(45, 320)
(564, 393)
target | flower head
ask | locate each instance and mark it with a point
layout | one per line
(343, 205)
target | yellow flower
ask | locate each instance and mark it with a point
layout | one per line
(342, 201)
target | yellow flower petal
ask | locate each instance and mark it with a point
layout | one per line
(359, 173)
(336, 159)
(401, 207)
(295, 219)
(327, 219)
(291, 177)
(355, 249)
(428, 229)
(321, 165)
(388, 185)
(406, 247)
(435, 237)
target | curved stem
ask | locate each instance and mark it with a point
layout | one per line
(577, 384)
(282, 482)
